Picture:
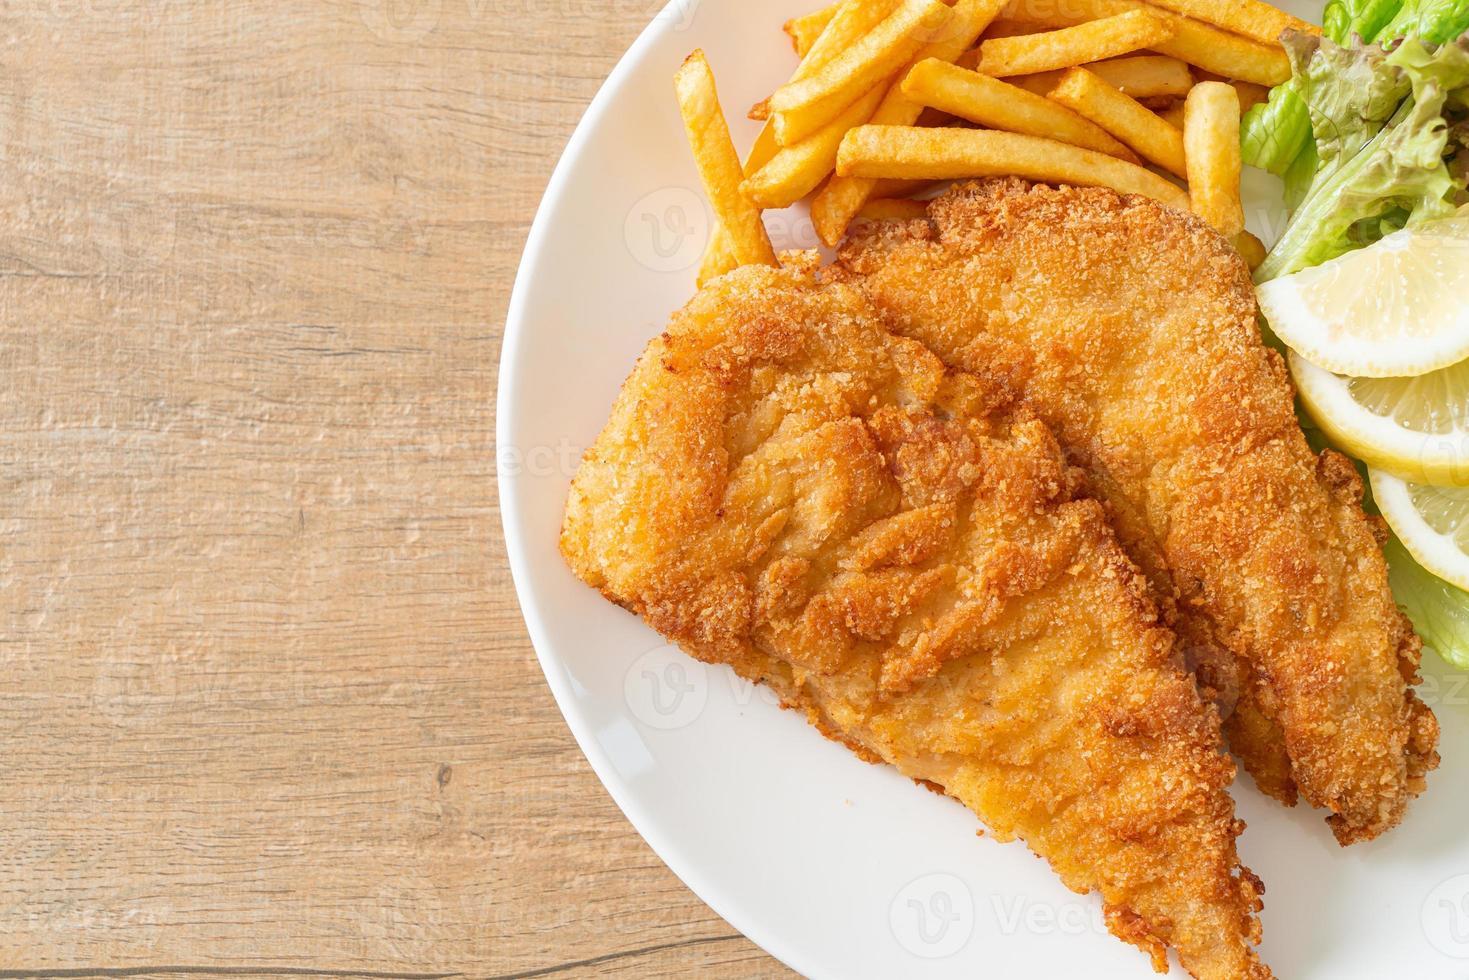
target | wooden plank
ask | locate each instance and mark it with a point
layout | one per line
(269, 702)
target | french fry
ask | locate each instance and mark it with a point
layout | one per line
(1251, 18)
(1093, 40)
(1211, 142)
(795, 171)
(1048, 13)
(1251, 249)
(900, 188)
(1040, 83)
(991, 102)
(1228, 54)
(1202, 45)
(1005, 27)
(838, 203)
(1250, 95)
(804, 30)
(1143, 76)
(803, 106)
(719, 164)
(889, 209)
(1173, 115)
(1139, 75)
(1124, 117)
(951, 154)
(853, 19)
(718, 256)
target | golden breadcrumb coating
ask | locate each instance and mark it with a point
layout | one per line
(1130, 328)
(786, 487)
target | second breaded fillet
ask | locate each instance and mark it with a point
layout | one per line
(787, 488)
(1130, 329)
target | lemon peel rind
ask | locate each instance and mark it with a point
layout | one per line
(1434, 551)
(1431, 458)
(1285, 311)
(1419, 273)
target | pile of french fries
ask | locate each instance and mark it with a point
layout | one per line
(891, 96)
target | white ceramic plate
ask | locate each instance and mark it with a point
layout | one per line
(841, 869)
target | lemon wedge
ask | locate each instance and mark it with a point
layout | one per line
(1393, 309)
(1415, 428)
(1433, 523)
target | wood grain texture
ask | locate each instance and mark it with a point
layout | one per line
(269, 705)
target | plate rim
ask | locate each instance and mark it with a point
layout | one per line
(683, 866)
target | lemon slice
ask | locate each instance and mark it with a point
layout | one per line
(1416, 428)
(1391, 310)
(1433, 523)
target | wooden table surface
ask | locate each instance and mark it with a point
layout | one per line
(268, 703)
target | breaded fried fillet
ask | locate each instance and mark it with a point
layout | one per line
(786, 487)
(1130, 328)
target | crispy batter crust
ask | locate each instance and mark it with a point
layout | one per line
(1131, 329)
(786, 487)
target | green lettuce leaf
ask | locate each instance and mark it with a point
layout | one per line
(1273, 134)
(1431, 21)
(1445, 65)
(1351, 94)
(1364, 19)
(1300, 175)
(1383, 139)
(1438, 610)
